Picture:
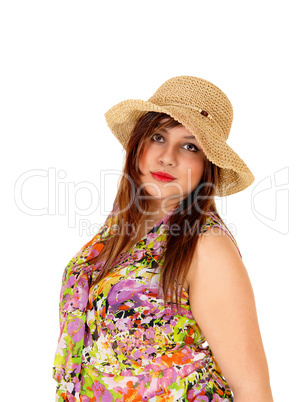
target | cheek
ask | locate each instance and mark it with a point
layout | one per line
(197, 167)
(143, 160)
(146, 159)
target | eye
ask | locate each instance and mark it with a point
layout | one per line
(157, 138)
(191, 147)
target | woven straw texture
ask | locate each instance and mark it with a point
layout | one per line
(184, 98)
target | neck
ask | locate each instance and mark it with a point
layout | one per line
(159, 208)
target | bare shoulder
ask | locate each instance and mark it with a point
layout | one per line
(215, 254)
(222, 302)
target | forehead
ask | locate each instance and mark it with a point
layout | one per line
(179, 130)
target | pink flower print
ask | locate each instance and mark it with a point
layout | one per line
(101, 393)
(124, 291)
(70, 282)
(140, 254)
(71, 397)
(159, 384)
(158, 250)
(85, 398)
(216, 398)
(193, 396)
(77, 292)
(150, 350)
(122, 324)
(75, 329)
(137, 354)
(80, 298)
(167, 329)
(150, 333)
(150, 238)
(158, 244)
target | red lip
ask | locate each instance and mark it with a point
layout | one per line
(162, 176)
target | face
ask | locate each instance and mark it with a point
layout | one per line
(172, 164)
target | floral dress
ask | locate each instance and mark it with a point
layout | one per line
(117, 340)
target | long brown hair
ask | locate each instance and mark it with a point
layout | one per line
(189, 218)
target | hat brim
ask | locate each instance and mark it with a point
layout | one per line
(234, 175)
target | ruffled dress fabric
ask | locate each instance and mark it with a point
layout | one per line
(118, 342)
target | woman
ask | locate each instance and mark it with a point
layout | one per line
(158, 306)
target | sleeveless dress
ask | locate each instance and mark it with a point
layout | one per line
(119, 343)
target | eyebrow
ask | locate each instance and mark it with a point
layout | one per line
(188, 137)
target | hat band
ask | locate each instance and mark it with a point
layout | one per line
(203, 112)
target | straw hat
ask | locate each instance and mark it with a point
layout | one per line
(204, 110)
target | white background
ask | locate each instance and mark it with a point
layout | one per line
(63, 65)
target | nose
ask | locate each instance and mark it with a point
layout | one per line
(167, 157)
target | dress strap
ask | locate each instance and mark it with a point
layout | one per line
(213, 221)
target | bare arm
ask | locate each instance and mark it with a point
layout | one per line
(223, 304)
